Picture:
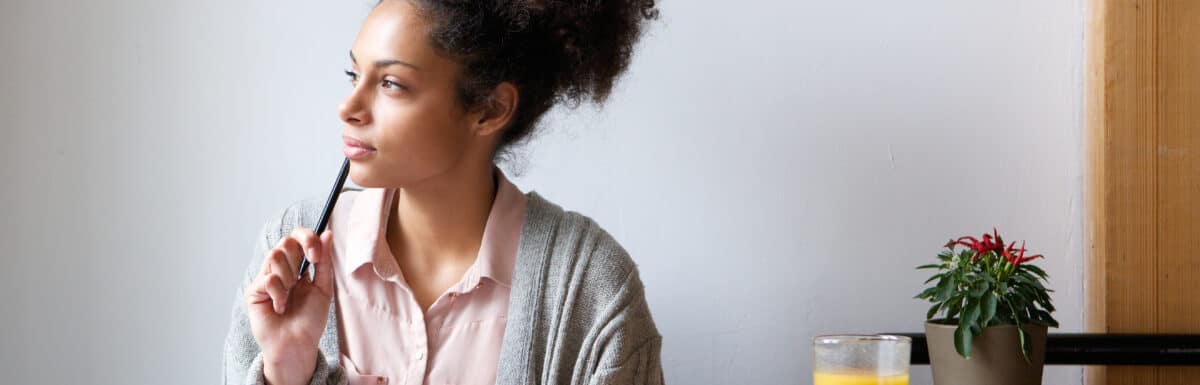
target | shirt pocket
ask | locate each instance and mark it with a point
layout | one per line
(475, 347)
(353, 377)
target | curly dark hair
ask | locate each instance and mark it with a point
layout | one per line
(553, 51)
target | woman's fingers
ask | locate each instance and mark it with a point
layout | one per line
(279, 295)
(277, 264)
(323, 274)
(281, 268)
(309, 244)
(257, 292)
(294, 252)
(267, 288)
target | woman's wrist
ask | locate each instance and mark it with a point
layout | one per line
(289, 368)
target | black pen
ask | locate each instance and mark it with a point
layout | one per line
(329, 203)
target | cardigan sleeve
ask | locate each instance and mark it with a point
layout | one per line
(631, 346)
(243, 361)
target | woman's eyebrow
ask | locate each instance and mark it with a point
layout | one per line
(387, 62)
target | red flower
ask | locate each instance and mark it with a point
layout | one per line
(1017, 256)
(990, 242)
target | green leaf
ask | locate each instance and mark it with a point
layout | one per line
(936, 276)
(929, 266)
(989, 307)
(945, 290)
(1034, 282)
(980, 289)
(1035, 294)
(1026, 344)
(971, 313)
(1020, 297)
(1035, 270)
(1045, 304)
(953, 310)
(927, 293)
(933, 311)
(962, 341)
(1045, 318)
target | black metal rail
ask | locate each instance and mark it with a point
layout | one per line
(1102, 349)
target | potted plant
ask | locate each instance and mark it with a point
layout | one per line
(994, 314)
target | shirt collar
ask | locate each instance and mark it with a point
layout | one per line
(364, 229)
(501, 236)
(367, 242)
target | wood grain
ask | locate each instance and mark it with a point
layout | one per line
(1144, 176)
(1178, 177)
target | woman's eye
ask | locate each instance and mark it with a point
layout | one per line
(353, 76)
(392, 85)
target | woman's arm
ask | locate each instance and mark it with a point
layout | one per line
(243, 360)
(631, 346)
(642, 366)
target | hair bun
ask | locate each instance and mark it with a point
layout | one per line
(554, 51)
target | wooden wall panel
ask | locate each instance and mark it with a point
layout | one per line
(1143, 98)
(1178, 177)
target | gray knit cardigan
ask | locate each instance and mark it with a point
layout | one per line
(577, 314)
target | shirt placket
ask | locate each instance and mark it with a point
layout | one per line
(420, 348)
(418, 337)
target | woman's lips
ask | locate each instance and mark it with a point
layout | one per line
(356, 149)
(357, 153)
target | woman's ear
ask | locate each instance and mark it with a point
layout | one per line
(498, 110)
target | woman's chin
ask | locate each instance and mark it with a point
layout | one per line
(363, 176)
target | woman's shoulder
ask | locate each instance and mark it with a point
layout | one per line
(304, 213)
(577, 279)
(575, 244)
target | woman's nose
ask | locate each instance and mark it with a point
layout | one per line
(353, 110)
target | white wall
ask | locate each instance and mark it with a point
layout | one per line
(776, 167)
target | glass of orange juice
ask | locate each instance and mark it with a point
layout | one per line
(861, 360)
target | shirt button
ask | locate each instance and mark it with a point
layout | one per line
(420, 356)
(379, 380)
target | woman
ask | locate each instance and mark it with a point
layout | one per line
(440, 271)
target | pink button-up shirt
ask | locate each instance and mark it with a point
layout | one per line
(384, 336)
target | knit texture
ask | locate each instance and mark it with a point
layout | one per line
(577, 314)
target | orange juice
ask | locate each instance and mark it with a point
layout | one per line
(820, 378)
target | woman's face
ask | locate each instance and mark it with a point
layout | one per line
(403, 106)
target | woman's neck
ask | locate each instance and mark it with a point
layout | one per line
(439, 223)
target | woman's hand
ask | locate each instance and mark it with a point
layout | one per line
(288, 315)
